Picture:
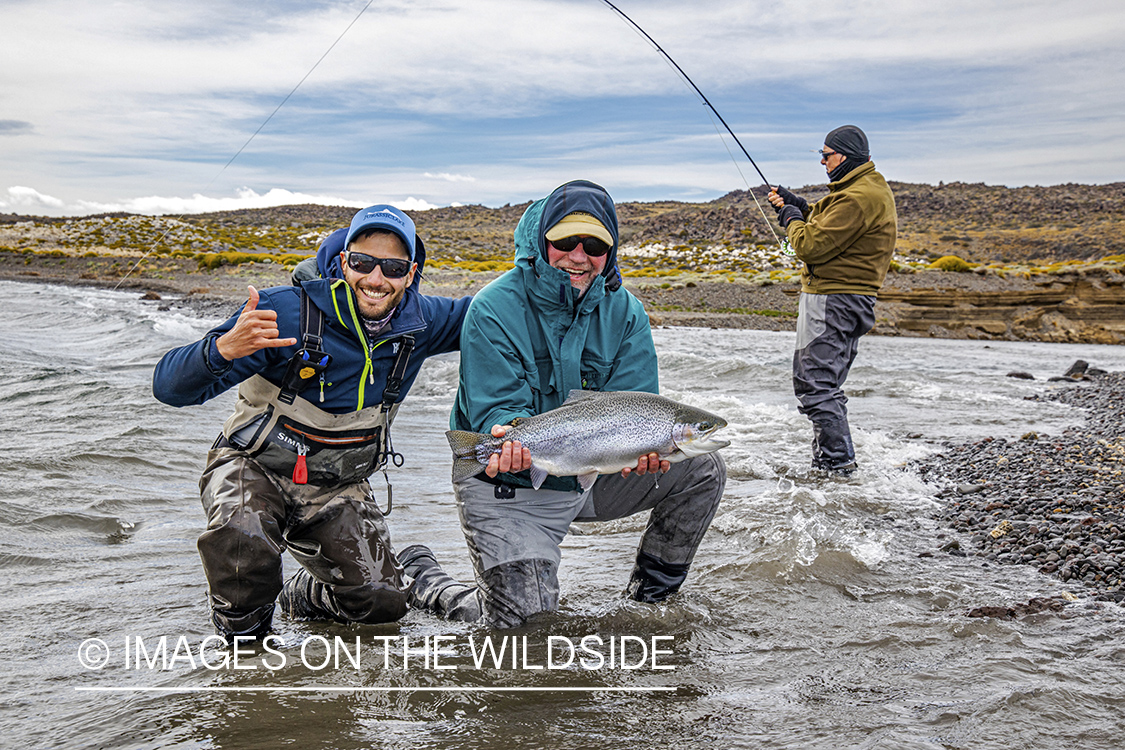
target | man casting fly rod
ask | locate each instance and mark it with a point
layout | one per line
(846, 241)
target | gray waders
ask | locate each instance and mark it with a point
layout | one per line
(829, 327)
(514, 534)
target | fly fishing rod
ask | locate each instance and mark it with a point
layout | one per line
(784, 245)
(687, 78)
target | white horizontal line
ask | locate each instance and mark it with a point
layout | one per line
(337, 689)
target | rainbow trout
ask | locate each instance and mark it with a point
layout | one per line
(595, 433)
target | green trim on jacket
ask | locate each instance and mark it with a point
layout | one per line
(848, 239)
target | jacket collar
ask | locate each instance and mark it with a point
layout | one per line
(337, 301)
(851, 176)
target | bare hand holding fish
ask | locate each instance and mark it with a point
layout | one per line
(592, 433)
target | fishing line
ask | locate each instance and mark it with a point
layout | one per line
(783, 244)
(265, 122)
(711, 106)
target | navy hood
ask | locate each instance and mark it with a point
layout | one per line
(328, 265)
(579, 195)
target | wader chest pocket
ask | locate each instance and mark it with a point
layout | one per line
(244, 436)
(302, 441)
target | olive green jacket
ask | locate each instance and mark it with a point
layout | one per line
(848, 238)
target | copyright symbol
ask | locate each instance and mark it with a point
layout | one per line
(93, 653)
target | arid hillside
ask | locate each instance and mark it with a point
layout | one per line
(979, 223)
(972, 261)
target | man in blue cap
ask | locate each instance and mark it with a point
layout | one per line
(846, 240)
(321, 368)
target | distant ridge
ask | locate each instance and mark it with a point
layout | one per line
(978, 222)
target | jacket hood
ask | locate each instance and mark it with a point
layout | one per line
(579, 195)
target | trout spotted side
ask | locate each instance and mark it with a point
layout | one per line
(595, 433)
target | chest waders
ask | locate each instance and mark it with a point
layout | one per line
(288, 475)
(295, 438)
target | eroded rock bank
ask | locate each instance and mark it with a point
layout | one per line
(1087, 307)
(1053, 502)
(1080, 307)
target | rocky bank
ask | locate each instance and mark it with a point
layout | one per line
(1056, 503)
(1036, 263)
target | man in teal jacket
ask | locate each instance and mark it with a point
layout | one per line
(559, 321)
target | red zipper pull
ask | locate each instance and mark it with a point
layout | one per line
(301, 470)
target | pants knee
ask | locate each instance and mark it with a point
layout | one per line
(514, 592)
(713, 478)
(242, 571)
(370, 604)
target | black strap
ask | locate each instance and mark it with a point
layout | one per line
(391, 393)
(398, 372)
(310, 360)
(312, 318)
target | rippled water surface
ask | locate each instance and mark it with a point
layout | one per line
(809, 619)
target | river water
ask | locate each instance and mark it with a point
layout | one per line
(809, 619)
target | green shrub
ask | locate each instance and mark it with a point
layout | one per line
(290, 259)
(211, 261)
(951, 263)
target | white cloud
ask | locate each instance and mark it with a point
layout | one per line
(466, 102)
(29, 198)
(25, 197)
(244, 198)
(449, 177)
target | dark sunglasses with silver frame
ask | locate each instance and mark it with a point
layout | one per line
(592, 246)
(393, 268)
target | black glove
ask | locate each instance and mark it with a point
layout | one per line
(793, 200)
(786, 214)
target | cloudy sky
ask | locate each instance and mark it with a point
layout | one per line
(139, 105)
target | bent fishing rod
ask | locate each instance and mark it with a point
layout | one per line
(687, 78)
(783, 244)
(613, 7)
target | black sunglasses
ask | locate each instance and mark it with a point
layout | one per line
(393, 268)
(825, 154)
(592, 246)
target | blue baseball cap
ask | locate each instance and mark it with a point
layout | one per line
(383, 216)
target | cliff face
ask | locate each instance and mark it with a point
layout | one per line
(1080, 307)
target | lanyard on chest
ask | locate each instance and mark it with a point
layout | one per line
(311, 361)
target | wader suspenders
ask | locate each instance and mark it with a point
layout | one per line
(390, 396)
(310, 361)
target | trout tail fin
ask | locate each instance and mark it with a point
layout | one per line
(468, 450)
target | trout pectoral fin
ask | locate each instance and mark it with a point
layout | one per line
(538, 476)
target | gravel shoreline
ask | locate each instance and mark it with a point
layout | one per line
(1053, 502)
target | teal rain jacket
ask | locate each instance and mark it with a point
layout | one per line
(529, 338)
